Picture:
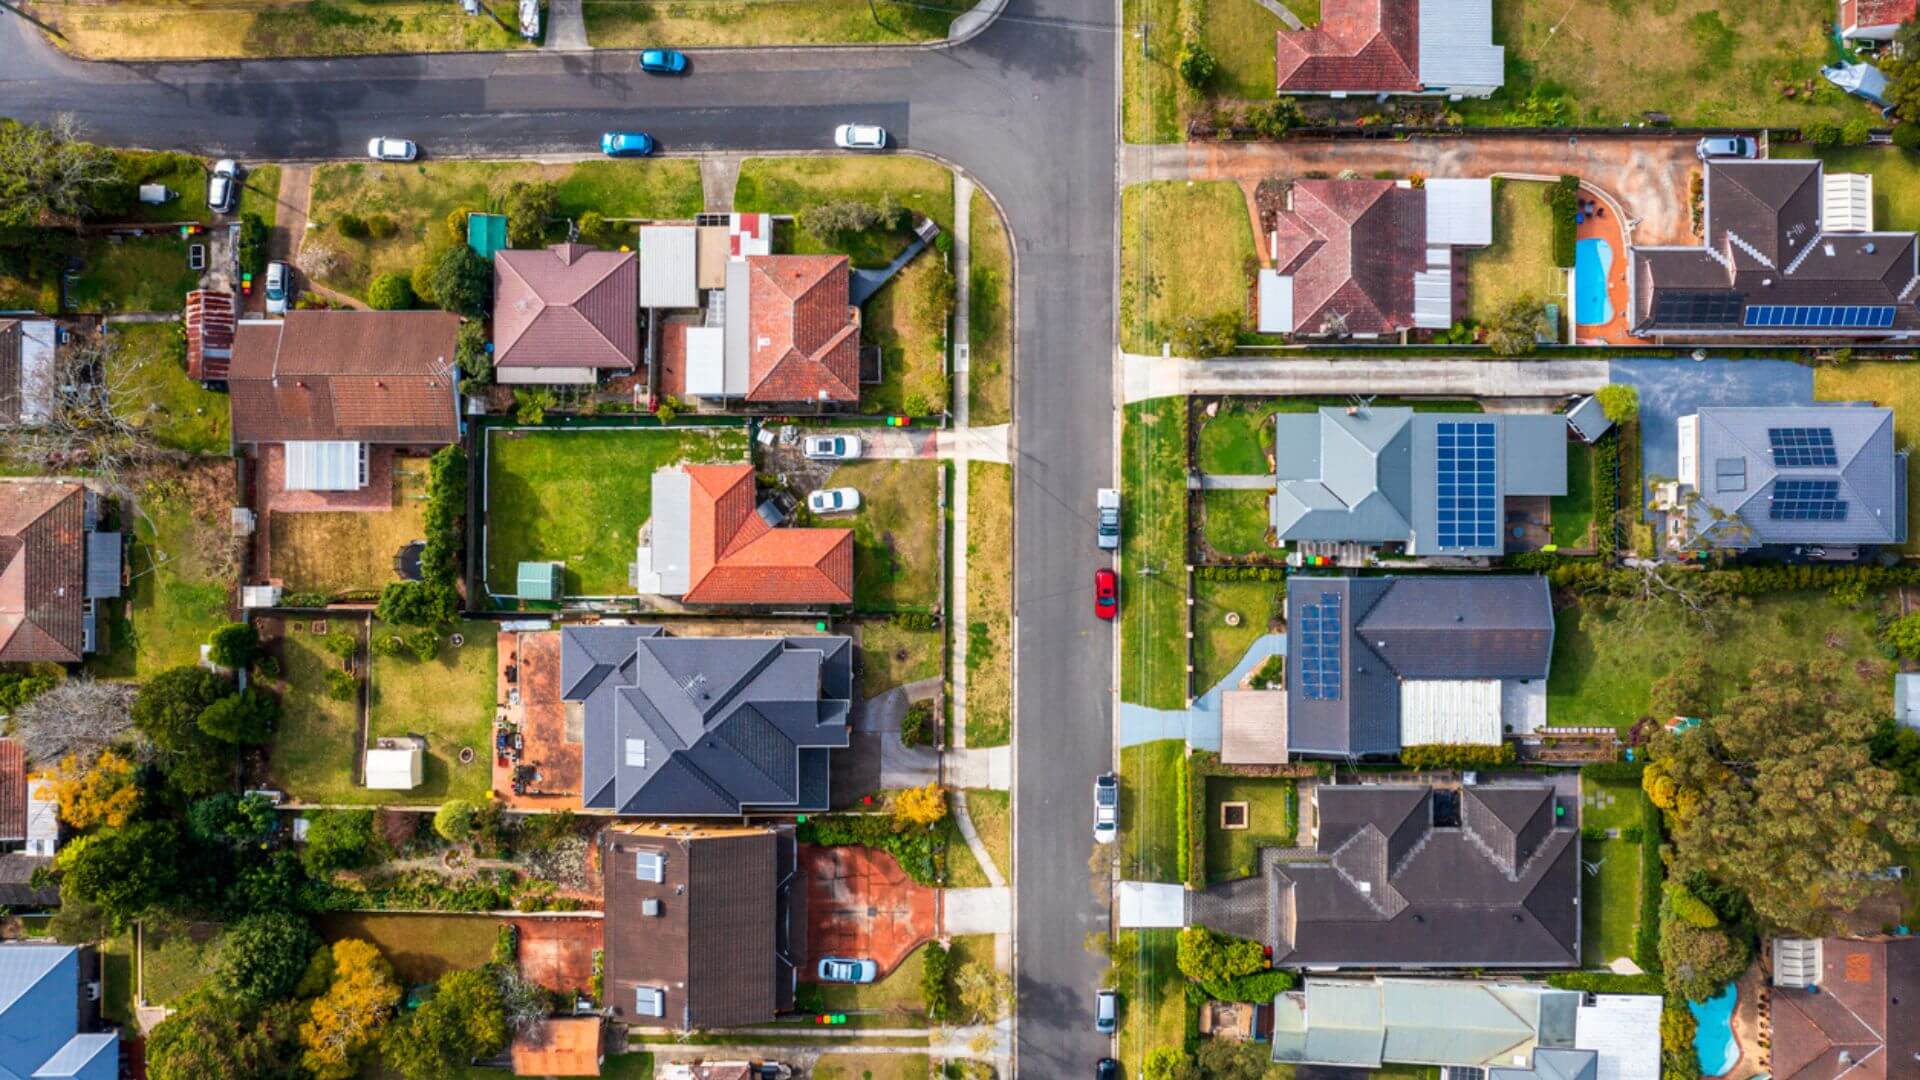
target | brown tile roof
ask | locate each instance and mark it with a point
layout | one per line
(566, 306)
(12, 336)
(362, 376)
(806, 333)
(13, 792)
(210, 320)
(1352, 248)
(1359, 46)
(1876, 12)
(561, 1046)
(43, 563)
(1859, 1022)
(735, 557)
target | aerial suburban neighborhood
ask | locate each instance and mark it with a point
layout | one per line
(921, 539)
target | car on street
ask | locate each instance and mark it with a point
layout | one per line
(1106, 1011)
(840, 500)
(1726, 146)
(1107, 1069)
(831, 447)
(837, 969)
(1106, 592)
(626, 144)
(663, 61)
(1106, 504)
(223, 186)
(384, 149)
(1106, 807)
(860, 137)
(279, 287)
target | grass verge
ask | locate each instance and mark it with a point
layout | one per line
(788, 185)
(989, 603)
(183, 30)
(648, 23)
(992, 815)
(989, 316)
(1153, 1001)
(1152, 92)
(1150, 808)
(1183, 254)
(1153, 600)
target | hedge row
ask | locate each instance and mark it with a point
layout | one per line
(1565, 200)
(1734, 581)
(1261, 987)
(1192, 789)
(1646, 935)
(1614, 770)
(1457, 755)
(1276, 574)
(1606, 982)
(1606, 494)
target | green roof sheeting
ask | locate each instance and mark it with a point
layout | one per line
(539, 581)
(486, 233)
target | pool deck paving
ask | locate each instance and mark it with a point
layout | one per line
(1614, 330)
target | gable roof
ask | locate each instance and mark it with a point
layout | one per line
(566, 306)
(40, 1017)
(210, 330)
(1351, 248)
(1358, 46)
(1368, 1023)
(13, 792)
(734, 556)
(1736, 511)
(804, 340)
(351, 376)
(1857, 1021)
(43, 561)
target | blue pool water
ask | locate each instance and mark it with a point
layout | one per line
(1714, 1041)
(1592, 262)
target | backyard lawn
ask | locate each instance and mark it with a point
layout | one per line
(179, 572)
(989, 316)
(1609, 900)
(419, 197)
(993, 819)
(1519, 263)
(892, 655)
(580, 497)
(311, 757)
(421, 948)
(1890, 384)
(350, 551)
(1573, 512)
(1217, 646)
(181, 414)
(908, 320)
(450, 700)
(1183, 250)
(116, 979)
(896, 565)
(133, 273)
(1150, 808)
(174, 960)
(788, 185)
(1235, 853)
(1153, 601)
(1610, 804)
(251, 28)
(1236, 522)
(646, 23)
(1240, 35)
(989, 603)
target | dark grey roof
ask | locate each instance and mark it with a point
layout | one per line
(712, 726)
(103, 565)
(1735, 443)
(16, 882)
(1496, 626)
(1588, 419)
(1386, 887)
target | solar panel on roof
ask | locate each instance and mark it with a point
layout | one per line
(1698, 308)
(1317, 641)
(1807, 500)
(1819, 315)
(1466, 496)
(1802, 447)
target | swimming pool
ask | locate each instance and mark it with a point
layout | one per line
(1714, 1043)
(1592, 263)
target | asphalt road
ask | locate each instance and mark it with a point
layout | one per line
(1026, 108)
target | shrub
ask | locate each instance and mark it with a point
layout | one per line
(828, 220)
(392, 646)
(446, 507)
(1689, 907)
(916, 728)
(382, 227)
(247, 717)
(1203, 338)
(390, 292)
(1606, 982)
(1565, 200)
(1456, 755)
(1619, 401)
(936, 990)
(453, 822)
(1646, 937)
(1856, 132)
(529, 204)
(234, 645)
(1209, 956)
(267, 666)
(417, 603)
(338, 840)
(351, 226)
(1821, 133)
(470, 353)
(252, 249)
(1197, 65)
(342, 644)
(530, 406)
(341, 686)
(460, 281)
(423, 643)
(922, 853)
(1260, 987)
(1907, 136)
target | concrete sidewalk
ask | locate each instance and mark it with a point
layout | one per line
(1149, 377)
(976, 911)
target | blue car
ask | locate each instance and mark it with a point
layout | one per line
(663, 61)
(626, 144)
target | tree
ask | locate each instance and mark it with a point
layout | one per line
(230, 820)
(48, 172)
(463, 1020)
(1682, 904)
(529, 204)
(347, 1020)
(983, 992)
(1698, 961)
(18, 688)
(391, 291)
(1904, 634)
(262, 956)
(839, 217)
(454, 821)
(80, 716)
(936, 988)
(247, 717)
(206, 1037)
(1209, 956)
(234, 645)
(1682, 691)
(126, 872)
(1516, 326)
(417, 603)
(103, 794)
(461, 281)
(98, 414)
(526, 1003)
(424, 643)
(1197, 65)
(919, 807)
(1223, 1060)
(1620, 401)
(169, 705)
(1203, 338)
(1907, 137)
(338, 840)
(1171, 1063)
(470, 353)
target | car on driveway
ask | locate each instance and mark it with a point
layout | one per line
(840, 500)
(384, 149)
(1106, 807)
(860, 137)
(223, 187)
(831, 447)
(279, 287)
(663, 61)
(1726, 146)
(626, 144)
(836, 969)
(1106, 592)
(1106, 1011)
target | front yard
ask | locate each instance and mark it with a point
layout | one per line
(449, 700)
(180, 413)
(1519, 263)
(1220, 642)
(908, 320)
(133, 273)
(892, 655)
(898, 992)
(989, 315)
(989, 628)
(580, 497)
(171, 29)
(1184, 248)
(1237, 522)
(896, 558)
(1153, 600)
(648, 23)
(1235, 853)
(1884, 383)
(1240, 35)
(350, 551)
(789, 185)
(1153, 1002)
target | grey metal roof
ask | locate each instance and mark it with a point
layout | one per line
(1872, 476)
(1456, 46)
(667, 267)
(1367, 1023)
(103, 565)
(1531, 459)
(706, 726)
(1588, 419)
(669, 533)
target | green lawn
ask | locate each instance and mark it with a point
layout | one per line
(989, 603)
(1217, 647)
(1183, 250)
(180, 582)
(1519, 262)
(896, 564)
(182, 415)
(628, 1067)
(1236, 440)
(144, 273)
(992, 815)
(1150, 809)
(161, 30)
(1153, 597)
(1308, 11)
(450, 700)
(421, 948)
(183, 174)
(893, 656)
(898, 992)
(1153, 1003)
(174, 961)
(1240, 34)
(1235, 853)
(909, 320)
(989, 315)
(1152, 91)
(1607, 655)
(311, 757)
(26, 294)
(788, 185)
(260, 193)
(1573, 512)
(648, 23)
(1609, 804)
(1609, 901)
(1883, 383)
(856, 1066)
(116, 979)
(580, 497)
(1236, 522)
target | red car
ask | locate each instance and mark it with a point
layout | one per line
(1106, 593)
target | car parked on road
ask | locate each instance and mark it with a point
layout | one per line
(1106, 807)
(626, 144)
(1107, 1069)
(1106, 505)
(223, 186)
(1726, 146)
(1106, 1011)
(860, 137)
(840, 500)
(384, 149)
(1106, 592)
(279, 287)
(663, 61)
(838, 969)
(831, 447)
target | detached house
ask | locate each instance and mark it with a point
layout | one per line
(565, 315)
(1843, 1008)
(711, 541)
(1874, 20)
(49, 997)
(1381, 47)
(55, 567)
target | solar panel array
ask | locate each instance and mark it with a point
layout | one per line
(1467, 498)
(1802, 447)
(1819, 315)
(1807, 500)
(1709, 308)
(1317, 639)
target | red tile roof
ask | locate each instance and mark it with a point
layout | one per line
(360, 376)
(1857, 1023)
(566, 306)
(13, 792)
(43, 564)
(210, 321)
(735, 557)
(806, 333)
(1352, 248)
(1864, 13)
(1360, 46)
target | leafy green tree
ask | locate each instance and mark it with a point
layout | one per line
(168, 707)
(1682, 904)
(338, 840)
(17, 688)
(454, 821)
(206, 1037)
(417, 603)
(262, 956)
(229, 819)
(936, 986)
(424, 643)
(46, 172)
(464, 1019)
(234, 645)
(530, 203)
(1682, 691)
(1698, 961)
(1619, 401)
(1223, 1060)
(1516, 326)
(124, 872)
(461, 281)
(1197, 65)
(1209, 956)
(470, 353)
(247, 717)
(390, 291)
(1171, 1063)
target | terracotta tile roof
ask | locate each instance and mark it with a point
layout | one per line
(210, 321)
(1851, 1025)
(569, 305)
(361, 376)
(1359, 46)
(806, 333)
(735, 557)
(1876, 12)
(43, 563)
(13, 792)
(1352, 248)
(561, 1046)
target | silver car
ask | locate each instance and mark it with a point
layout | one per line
(837, 969)
(279, 287)
(392, 149)
(831, 447)
(223, 187)
(860, 137)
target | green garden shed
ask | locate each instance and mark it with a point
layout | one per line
(540, 581)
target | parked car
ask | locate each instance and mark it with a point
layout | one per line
(1106, 592)
(279, 287)
(383, 149)
(626, 144)
(1106, 1011)
(836, 969)
(831, 447)
(860, 137)
(223, 187)
(1106, 807)
(1108, 1069)
(841, 500)
(663, 61)
(1724, 146)
(1106, 503)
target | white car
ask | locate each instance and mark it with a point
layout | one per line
(860, 137)
(1726, 146)
(843, 500)
(831, 447)
(223, 187)
(835, 969)
(279, 287)
(1106, 808)
(392, 149)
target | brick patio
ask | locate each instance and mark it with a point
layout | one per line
(860, 904)
(558, 953)
(542, 719)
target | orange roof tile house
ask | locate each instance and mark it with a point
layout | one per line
(1363, 47)
(54, 568)
(710, 541)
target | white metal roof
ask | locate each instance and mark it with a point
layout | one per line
(324, 466)
(1459, 213)
(1456, 46)
(668, 267)
(1433, 299)
(43, 819)
(1624, 1031)
(1276, 303)
(1846, 202)
(1449, 711)
(706, 366)
(393, 770)
(1149, 905)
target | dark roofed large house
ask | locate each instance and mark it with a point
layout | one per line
(1841, 1008)
(706, 726)
(55, 566)
(705, 924)
(1411, 876)
(1776, 263)
(1430, 47)
(565, 314)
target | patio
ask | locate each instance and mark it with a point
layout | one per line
(1603, 246)
(529, 700)
(860, 903)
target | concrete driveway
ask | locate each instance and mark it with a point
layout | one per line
(1670, 389)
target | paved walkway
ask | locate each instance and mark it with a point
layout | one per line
(977, 911)
(962, 817)
(566, 26)
(1281, 12)
(988, 768)
(1152, 376)
(1220, 482)
(719, 178)
(1199, 725)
